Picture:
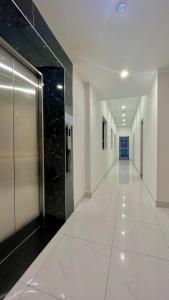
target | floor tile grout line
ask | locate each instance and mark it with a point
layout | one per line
(85, 240)
(141, 253)
(136, 222)
(111, 250)
(159, 225)
(95, 213)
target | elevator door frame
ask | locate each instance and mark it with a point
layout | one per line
(22, 60)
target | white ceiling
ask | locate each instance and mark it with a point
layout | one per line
(101, 43)
(131, 107)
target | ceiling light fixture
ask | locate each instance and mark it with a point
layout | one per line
(124, 120)
(121, 8)
(122, 256)
(123, 115)
(124, 74)
(123, 107)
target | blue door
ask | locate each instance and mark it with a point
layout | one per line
(124, 148)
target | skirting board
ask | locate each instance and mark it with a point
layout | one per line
(150, 193)
(162, 204)
(80, 200)
(87, 194)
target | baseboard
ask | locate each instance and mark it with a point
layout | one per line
(79, 201)
(162, 204)
(136, 167)
(87, 194)
(147, 188)
(149, 191)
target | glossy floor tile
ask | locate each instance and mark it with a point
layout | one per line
(93, 227)
(142, 238)
(162, 215)
(136, 212)
(133, 276)
(76, 270)
(114, 246)
(100, 206)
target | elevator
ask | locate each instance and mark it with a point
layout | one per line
(21, 150)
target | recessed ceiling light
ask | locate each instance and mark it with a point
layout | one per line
(122, 256)
(121, 8)
(123, 107)
(124, 120)
(124, 74)
(59, 86)
(123, 115)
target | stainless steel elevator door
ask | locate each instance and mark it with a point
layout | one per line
(7, 223)
(26, 154)
(19, 145)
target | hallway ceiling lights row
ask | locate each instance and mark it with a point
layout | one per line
(123, 107)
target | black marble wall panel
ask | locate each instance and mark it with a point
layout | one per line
(19, 33)
(15, 29)
(45, 32)
(26, 8)
(54, 136)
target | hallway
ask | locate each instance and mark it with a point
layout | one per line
(114, 246)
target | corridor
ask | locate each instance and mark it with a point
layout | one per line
(114, 246)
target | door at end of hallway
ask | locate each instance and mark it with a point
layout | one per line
(124, 148)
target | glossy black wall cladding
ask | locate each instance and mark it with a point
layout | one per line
(22, 27)
(54, 143)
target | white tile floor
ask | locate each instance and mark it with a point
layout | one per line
(114, 247)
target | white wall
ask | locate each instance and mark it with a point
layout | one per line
(79, 135)
(91, 163)
(147, 110)
(163, 140)
(101, 160)
(125, 131)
